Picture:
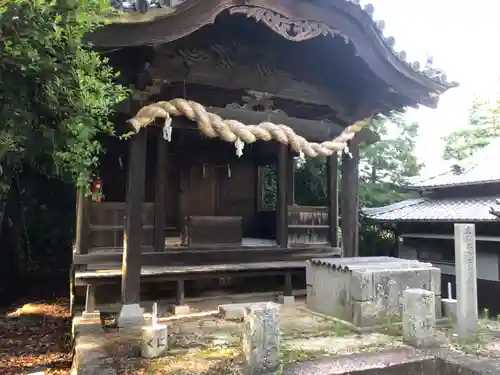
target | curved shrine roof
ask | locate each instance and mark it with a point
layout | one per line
(267, 12)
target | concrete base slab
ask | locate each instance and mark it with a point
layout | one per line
(90, 356)
(287, 301)
(131, 315)
(179, 309)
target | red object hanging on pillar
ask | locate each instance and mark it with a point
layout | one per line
(97, 190)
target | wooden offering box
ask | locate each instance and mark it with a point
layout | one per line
(213, 230)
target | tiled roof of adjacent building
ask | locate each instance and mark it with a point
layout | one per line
(470, 209)
(480, 168)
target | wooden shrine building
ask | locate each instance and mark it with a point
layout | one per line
(177, 201)
(464, 192)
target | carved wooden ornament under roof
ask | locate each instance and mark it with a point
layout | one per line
(295, 20)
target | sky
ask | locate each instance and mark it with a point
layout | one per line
(460, 35)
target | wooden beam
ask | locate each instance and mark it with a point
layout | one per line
(312, 130)
(281, 197)
(160, 192)
(207, 255)
(349, 197)
(332, 184)
(82, 229)
(132, 237)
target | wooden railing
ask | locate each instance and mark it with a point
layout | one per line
(107, 220)
(307, 225)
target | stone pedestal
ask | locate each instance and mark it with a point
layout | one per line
(287, 301)
(450, 309)
(261, 337)
(419, 317)
(131, 315)
(154, 341)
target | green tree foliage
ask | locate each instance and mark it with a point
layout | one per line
(57, 94)
(387, 164)
(483, 126)
(310, 182)
(383, 166)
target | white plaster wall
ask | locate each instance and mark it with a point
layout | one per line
(486, 263)
(407, 253)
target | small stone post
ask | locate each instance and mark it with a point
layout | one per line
(154, 337)
(466, 280)
(450, 305)
(419, 317)
(261, 337)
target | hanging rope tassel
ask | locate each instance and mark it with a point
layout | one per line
(240, 145)
(167, 128)
(347, 151)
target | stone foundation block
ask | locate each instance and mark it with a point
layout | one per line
(180, 309)
(419, 317)
(261, 337)
(286, 301)
(131, 315)
(233, 311)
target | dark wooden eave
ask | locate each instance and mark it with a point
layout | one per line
(344, 17)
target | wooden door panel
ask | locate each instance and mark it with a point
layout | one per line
(198, 191)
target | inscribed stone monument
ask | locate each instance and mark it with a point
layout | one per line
(261, 337)
(466, 279)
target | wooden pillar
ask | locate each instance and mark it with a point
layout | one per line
(290, 193)
(397, 242)
(83, 205)
(332, 184)
(281, 198)
(288, 284)
(349, 205)
(160, 193)
(132, 239)
(180, 293)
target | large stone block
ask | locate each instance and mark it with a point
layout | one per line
(261, 337)
(362, 288)
(367, 313)
(389, 285)
(362, 291)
